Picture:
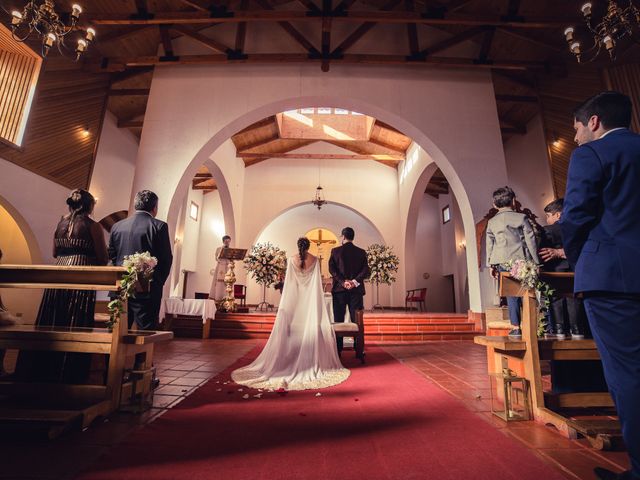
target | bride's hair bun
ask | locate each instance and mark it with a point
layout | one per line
(303, 247)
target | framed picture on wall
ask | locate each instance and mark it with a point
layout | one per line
(446, 214)
(193, 211)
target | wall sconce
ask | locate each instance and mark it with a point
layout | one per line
(555, 140)
(85, 132)
(462, 245)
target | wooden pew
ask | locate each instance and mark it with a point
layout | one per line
(526, 354)
(61, 406)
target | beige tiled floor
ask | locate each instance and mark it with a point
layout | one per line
(183, 365)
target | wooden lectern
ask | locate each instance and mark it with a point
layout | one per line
(228, 303)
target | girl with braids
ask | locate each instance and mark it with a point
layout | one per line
(78, 240)
(301, 352)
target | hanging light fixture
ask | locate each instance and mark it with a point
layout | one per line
(319, 200)
(40, 17)
(617, 23)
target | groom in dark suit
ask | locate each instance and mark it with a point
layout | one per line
(349, 268)
(142, 232)
(601, 232)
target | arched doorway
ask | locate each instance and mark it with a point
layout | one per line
(19, 246)
(218, 150)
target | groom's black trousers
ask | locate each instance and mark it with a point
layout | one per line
(341, 300)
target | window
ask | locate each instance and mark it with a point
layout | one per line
(446, 214)
(193, 211)
(20, 67)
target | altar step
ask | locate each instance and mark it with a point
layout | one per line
(379, 327)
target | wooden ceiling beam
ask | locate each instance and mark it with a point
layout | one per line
(130, 73)
(450, 42)
(202, 39)
(533, 41)
(362, 30)
(386, 145)
(326, 34)
(290, 29)
(319, 156)
(310, 6)
(119, 64)
(380, 16)
(167, 44)
(195, 5)
(203, 187)
(516, 98)
(412, 30)
(241, 30)
(125, 92)
(485, 47)
(259, 143)
(124, 34)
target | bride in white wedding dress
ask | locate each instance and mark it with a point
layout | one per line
(301, 352)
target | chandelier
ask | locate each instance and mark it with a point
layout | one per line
(617, 23)
(40, 18)
(319, 200)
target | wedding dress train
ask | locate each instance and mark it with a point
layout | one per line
(301, 352)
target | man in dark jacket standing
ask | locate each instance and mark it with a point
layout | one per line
(139, 233)
(601, 233)
(349, 268)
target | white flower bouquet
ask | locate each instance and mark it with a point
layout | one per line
(528, 274)
(140, 268)
(266, 263)
(383, 264)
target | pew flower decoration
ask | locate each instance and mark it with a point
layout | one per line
(528, 274)
(137, 278)
(266, 263)
(383, 264)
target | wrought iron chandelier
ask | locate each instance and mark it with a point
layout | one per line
(40, 17)
(319, 200)
(617, 23)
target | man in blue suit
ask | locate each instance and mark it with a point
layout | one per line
(601, 233)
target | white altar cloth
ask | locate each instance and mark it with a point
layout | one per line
(190, 306)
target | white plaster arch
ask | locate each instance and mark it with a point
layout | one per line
(273, 218)
(23, 225)
(225, 197)
(361, 105)
(412, 218)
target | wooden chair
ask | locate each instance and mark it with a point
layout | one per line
(419, 296)
(524, 355)
(355, 330)
(240, 293)
(56, 407)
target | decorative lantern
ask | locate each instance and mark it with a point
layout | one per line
(510, 395)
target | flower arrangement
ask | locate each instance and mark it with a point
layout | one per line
(140, 268)
(383, 264)
(528, 273)
(266, 263)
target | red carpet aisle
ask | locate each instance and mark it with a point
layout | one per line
(384, 422)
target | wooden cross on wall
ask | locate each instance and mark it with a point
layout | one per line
(319, 242)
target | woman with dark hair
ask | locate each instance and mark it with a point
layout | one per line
(301, 351)
(78, 240)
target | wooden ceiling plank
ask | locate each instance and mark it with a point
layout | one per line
(121, 92)
(533, 41)
(517, 98)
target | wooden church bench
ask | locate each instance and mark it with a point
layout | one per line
(527, 355)
(54, 406)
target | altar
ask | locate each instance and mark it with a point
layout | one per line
(189, 317)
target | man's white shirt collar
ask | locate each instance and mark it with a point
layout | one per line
(609, 131)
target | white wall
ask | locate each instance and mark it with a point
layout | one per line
(451, 114)
(114, 167)
(528, 168)
(38, 203)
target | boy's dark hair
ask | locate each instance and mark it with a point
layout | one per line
(613, 109)
(555, 206)
(503, 197)
(145, 201)
(348, 233)
(226, 237)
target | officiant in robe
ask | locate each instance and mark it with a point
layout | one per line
(218, 287)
